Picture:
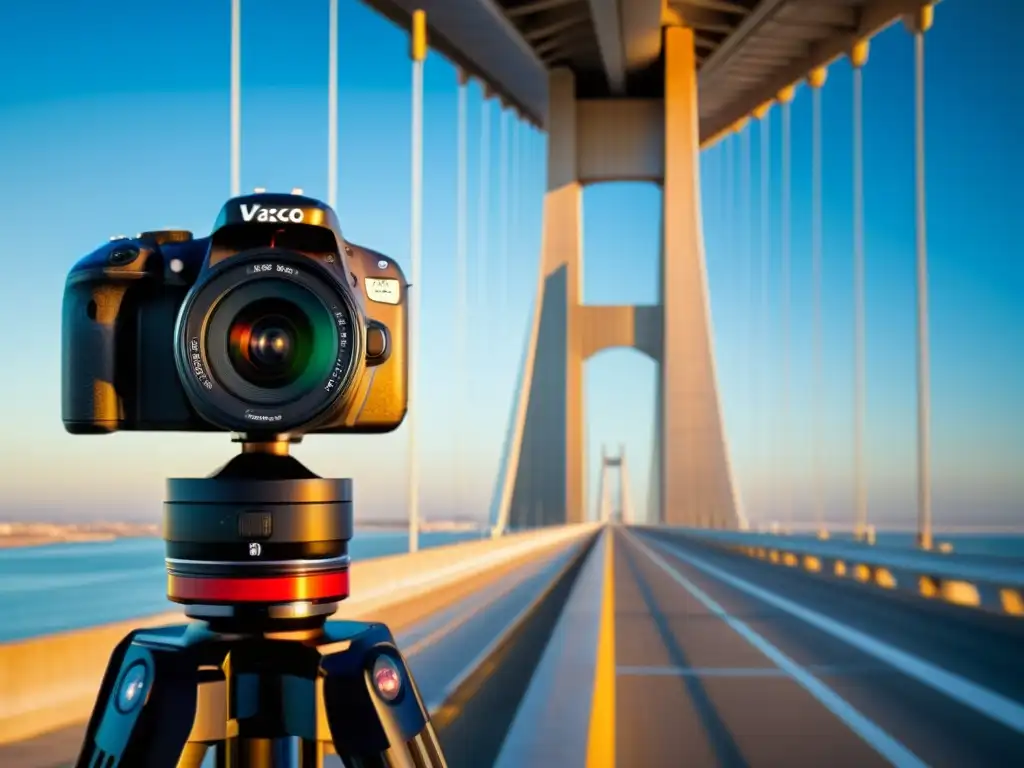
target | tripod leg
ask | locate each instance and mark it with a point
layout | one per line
(170, 696)
(373, 709)
(193, 755)
(85, 759)
(146, 705)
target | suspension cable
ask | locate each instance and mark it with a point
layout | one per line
(762, 113)
(785, 98)
(236, 98)
(745, 205)
(418, 54)
(481, 233)
(537, 183)
(332, 106)
(503, 174)
(727, 195)
(461, 283)
(527, 177)
(858, 58)
(816, 80)
(513, 193)
(920, 23)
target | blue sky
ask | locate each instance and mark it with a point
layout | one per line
(118, 121)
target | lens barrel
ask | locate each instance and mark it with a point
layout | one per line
(263, 536)
(269, 342)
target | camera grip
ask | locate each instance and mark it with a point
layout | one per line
(90, 399)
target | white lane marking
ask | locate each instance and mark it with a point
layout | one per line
(875, 737)
(989, 703)
(699, 672)
(832, 670)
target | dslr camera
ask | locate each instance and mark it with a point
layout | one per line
(273, 325)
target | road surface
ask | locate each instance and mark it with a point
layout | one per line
(727, 660)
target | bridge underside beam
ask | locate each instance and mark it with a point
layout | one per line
(777, 45)
(747, 52)
(477, 36)
(544, 477)
(604, 327)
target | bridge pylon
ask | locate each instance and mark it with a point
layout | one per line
(623, 511)
(602, 140)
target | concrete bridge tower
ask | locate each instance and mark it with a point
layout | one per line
(542, 479)
(606, 509)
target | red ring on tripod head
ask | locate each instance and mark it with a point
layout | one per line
(314, 587)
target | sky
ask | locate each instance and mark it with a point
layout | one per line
(117, 121)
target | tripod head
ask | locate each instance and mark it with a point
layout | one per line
(259, 545)
(258, 554)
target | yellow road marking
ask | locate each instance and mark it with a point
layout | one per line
(601, 737)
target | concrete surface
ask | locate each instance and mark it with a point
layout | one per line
(40, 694)
(437, 643)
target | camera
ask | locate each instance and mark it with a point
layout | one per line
(271, 325)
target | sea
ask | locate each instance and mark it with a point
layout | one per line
(58, 587)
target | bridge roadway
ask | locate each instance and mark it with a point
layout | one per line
(717, 659)
(758, 664)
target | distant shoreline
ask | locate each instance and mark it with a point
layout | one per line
(14, 542)
(35, 534)
(16, 535)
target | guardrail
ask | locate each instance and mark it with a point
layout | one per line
(972, 580)
(50, 682)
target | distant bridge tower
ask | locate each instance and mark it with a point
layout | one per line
(624, 510)
(592, 141)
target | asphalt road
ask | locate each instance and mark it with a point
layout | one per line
(727, 660)
(438, 648)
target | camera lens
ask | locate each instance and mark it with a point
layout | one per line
(270, 343)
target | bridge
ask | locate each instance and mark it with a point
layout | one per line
(703, 629)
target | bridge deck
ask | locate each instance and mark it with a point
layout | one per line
(834, 673)
(720, 659)
(438, 648)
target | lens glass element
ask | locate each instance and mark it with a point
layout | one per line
(270, 342)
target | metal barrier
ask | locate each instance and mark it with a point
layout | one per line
(972, 580)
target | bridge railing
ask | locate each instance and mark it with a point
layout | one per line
(972, 580)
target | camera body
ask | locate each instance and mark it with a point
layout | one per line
(271, 325)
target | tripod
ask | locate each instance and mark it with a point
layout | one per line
(258, 554)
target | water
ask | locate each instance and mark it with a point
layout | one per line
(59, 587)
